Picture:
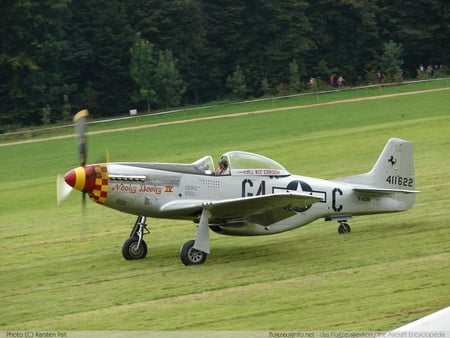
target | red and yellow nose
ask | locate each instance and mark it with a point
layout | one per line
(81, 178)
(91, 179)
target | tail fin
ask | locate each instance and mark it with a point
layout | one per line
(393, 171)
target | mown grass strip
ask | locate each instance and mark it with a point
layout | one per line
(62, 271)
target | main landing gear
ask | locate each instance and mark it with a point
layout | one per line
(135, 247)
(191, 256)
(193, 252)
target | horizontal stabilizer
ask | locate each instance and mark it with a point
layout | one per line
(382, 191)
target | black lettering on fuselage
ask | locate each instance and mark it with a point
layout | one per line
(244, 184)
(334, 205)
(247, 186)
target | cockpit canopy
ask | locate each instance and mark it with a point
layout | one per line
(242, 163)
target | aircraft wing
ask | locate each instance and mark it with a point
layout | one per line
(261, 209)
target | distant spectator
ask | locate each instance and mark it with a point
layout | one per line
(340, 81)
(332, 80)
(380, 76)
(421, 69)
(437, 70)
(312, 83)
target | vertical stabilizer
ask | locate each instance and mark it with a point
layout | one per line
(394, 169)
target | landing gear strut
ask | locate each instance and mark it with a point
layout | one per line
(343, 227)
(135, 247)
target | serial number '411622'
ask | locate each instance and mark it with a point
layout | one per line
(399, 180)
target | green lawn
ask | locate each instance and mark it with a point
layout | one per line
(62, 271)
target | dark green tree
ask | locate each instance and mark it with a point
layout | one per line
(33, 45)
(224, 43)
(391, 60)
(345, 35)
(100, 39)
(236, 83)
(294, 78)
(421, 27)
(178, 26)
(275, 34)
(142, 69)
(265, 87)
(168, 84)
(58, 57)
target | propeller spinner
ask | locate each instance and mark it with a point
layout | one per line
(81, 178)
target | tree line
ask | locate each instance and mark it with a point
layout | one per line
(109, 56)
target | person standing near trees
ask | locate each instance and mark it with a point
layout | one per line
(340, 81)
(332, 80)
(312, 83)
(380, 76)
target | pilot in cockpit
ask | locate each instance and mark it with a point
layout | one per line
(223, 168)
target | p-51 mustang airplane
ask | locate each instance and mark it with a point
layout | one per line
(251, 195)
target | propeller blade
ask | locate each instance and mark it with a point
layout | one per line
(104, 158)
(83, 203)
(80, 129)
(107, 157)
(62, 189)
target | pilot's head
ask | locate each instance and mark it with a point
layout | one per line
(223, 162)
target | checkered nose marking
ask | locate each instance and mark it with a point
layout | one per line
(91, 179)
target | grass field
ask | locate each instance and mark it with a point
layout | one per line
(62, 271)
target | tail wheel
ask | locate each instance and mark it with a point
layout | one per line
(344, 228)
(132, 249)
(191, 256)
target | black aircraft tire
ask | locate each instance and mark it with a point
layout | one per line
(191, 256)
(344, 228)
(130, 249)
